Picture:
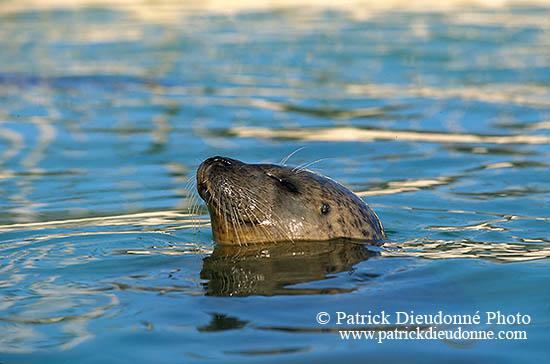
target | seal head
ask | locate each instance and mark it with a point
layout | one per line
(254, 203)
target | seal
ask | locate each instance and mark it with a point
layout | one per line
(258, 203)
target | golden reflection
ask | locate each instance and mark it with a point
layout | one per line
(406, 186)
(543, 125)
(14, 335)
(444, 249)
(46, 136)
(524, 249)
(529, 95)
(456, 211)
(495, 19)
(335, 113)
(172, 11)
(499, 165)
(16, 143)
(179, 249)
(53, 299)
(47, 133)
(486, 226)
(339, 134)
(167, 217)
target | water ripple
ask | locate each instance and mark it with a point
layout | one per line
(350, 134)
(444, 249)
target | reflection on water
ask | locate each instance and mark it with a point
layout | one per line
(63, 278)
(169, 220)
(336, 134)
(528, 95)
(498, 252)
(274, 269)
(53, 305)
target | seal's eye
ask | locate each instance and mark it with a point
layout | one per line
(325, 209)
(286, 184)
(289, 186)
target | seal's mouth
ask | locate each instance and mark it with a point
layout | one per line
(221, 210)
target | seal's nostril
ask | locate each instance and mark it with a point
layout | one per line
(221, 160)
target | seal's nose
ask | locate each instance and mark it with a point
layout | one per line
(209, 169)
(219, 160)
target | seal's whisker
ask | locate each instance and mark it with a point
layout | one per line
(195, 212)
(218, 199)
(231, 221)
(259, 226)
(248, 195)
(235, 214)
(192, 211)
(221, 200)
(263, 203)
(282, 231)
(252, 227)
(238, 221)
(284, 160)
(254, 222)
(303, 167)
(227, 222)
(234, 219)
(236, 225)
(209, 202)
(187, 187)
(191, 200)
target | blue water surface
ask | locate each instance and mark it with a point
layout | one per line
(439, 119)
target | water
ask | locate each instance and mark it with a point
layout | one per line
(438, 117)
